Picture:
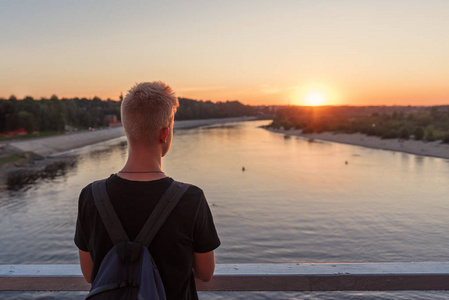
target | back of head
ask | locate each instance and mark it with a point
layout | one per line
(147, 108)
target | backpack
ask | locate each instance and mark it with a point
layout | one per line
(128, 270)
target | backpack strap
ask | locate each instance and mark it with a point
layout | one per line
(161, 212)
(107, 213)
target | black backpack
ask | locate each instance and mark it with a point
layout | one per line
(128, 270)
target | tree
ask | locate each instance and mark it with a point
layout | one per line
(404, 133)
(418, 133)
(26, 120)
(430, 136)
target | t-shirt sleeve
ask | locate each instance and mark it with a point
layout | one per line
(205, 237)
(80, 240)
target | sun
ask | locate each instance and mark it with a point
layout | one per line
(315, 98)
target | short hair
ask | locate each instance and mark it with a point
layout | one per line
(148, 107)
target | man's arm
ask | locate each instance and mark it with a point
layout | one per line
(204, 265)
(86, 264)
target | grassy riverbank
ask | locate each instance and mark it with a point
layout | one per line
(434, 149)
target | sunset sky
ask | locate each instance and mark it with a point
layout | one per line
(382, 52)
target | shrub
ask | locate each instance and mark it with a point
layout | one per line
(418, 133)
(404, 133)
(446, 139)
(430, 136)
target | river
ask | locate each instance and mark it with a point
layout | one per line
(295, 201)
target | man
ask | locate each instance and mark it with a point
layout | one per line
(184, 246)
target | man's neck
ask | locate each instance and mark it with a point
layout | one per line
(143, 164)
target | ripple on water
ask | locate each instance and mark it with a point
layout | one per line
(296, 202)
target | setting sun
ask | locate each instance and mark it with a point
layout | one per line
(315, 99)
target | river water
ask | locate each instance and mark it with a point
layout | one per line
(296, 201)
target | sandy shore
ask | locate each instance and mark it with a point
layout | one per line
(54, 145)
(435, 149)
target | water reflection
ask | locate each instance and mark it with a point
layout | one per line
(108, 149)
(297, 200)
(25, 177)
(222, 126)
(17, 181)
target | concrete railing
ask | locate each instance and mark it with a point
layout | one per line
(257, 277)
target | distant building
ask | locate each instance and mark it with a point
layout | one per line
(112, 121)
(20, 131)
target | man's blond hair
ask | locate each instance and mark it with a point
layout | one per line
(147, 108)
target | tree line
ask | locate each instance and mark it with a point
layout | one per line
(419, 123)
(58, 115)
(193, 109)
(54, 114)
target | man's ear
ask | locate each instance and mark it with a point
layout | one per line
(163, 134)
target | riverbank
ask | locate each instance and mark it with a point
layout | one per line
(434, 149)
(55, 145)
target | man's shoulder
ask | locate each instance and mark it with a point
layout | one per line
(86, 193)
(88, 188)
(193, 190)
(193, 196)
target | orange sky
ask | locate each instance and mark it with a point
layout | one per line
(265, 52)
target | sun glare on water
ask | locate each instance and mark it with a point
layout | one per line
(315, 99)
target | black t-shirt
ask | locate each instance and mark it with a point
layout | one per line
(188, 229)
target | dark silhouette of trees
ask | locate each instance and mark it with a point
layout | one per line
(418, 133)
(404, 133)
(428, 123)
(54, 114)
(430, 135)
(192, 109)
